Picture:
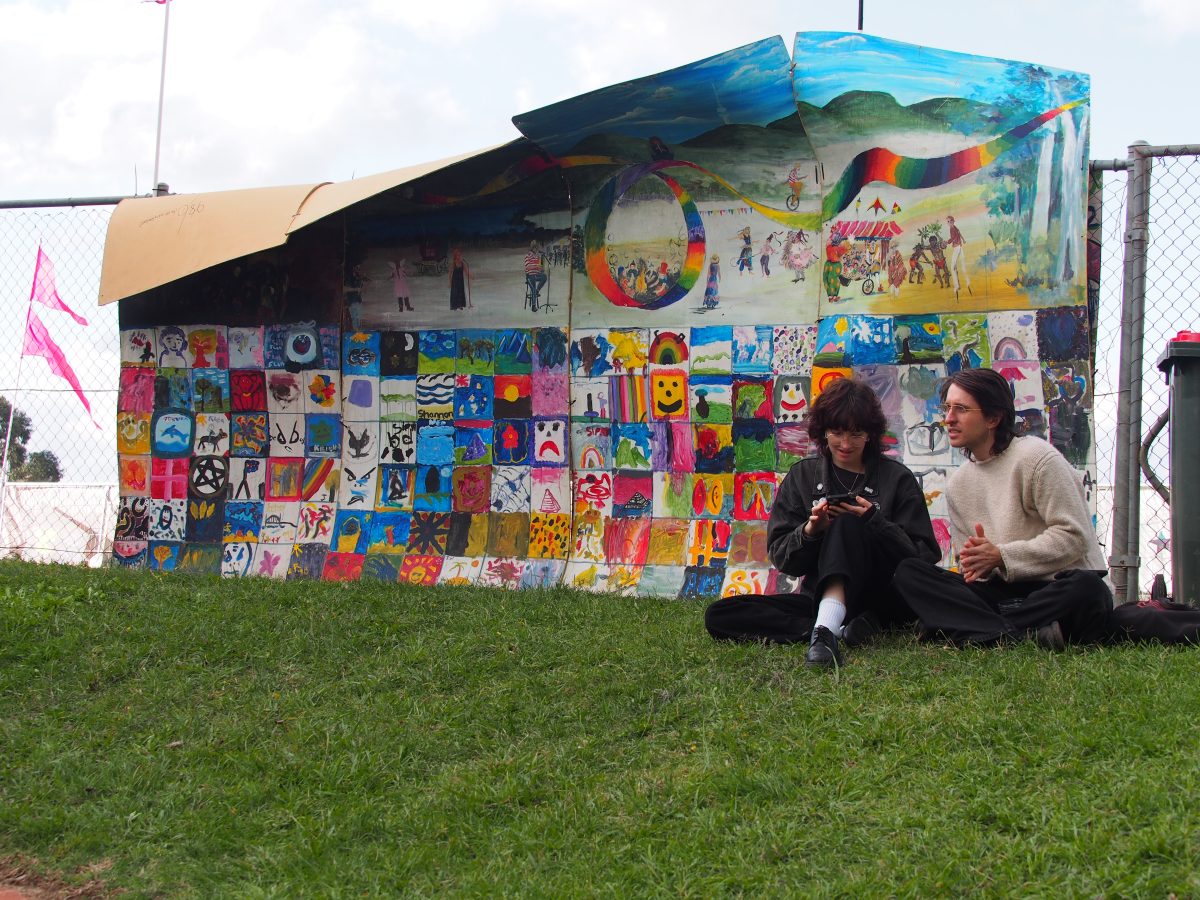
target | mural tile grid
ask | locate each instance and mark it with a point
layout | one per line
(631, 461)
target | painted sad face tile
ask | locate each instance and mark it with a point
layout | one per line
(668, 395)
(549, 442)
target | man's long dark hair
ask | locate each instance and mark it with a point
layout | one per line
(848, 405)
(994, 396)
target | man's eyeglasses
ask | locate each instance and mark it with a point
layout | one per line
(837, 435)
(957, 408)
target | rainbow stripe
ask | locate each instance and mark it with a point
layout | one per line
(913, 173)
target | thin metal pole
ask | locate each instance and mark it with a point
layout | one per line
(1139, 241)
(12, 404)
(1124, 561)
(162, 84)
(860, 15)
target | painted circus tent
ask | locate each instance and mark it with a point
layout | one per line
(585, 357)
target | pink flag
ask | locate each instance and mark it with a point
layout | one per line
(39, 343)
(45, 291)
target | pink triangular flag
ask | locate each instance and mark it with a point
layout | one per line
(39, 343)
(44, 290)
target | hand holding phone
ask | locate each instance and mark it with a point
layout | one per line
(847, 498)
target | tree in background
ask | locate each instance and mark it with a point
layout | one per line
(41, 465)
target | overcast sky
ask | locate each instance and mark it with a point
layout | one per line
(267, 92)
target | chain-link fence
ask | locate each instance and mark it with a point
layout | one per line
(73, 520)
(70, 519)
(1172, 288)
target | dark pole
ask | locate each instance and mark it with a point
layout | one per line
(860, 14)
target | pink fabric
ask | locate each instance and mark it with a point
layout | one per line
(45, 291)
(39, 343)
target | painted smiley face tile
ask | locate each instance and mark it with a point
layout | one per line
(668, 395)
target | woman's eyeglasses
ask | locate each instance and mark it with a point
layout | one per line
(838, 435)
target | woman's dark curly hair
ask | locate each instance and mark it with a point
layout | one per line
(848, 405)
(995, 398)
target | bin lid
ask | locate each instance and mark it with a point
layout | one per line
(1183, 347)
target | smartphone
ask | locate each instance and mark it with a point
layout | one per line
(835, 499)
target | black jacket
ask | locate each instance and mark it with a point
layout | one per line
(901, 517)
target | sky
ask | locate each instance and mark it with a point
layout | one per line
(275, 92)
(269, 92)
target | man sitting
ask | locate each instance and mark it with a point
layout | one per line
(1028, 556)
(535, 274)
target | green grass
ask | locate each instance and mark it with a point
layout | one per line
(253, 738)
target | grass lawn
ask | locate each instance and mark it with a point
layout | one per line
(200, 738)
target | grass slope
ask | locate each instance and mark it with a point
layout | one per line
(252, 738)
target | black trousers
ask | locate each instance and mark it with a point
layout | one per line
(848, 551)
(985, 612)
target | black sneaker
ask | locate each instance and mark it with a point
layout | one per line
(861, 630)
(823, 652)
(1050, 637)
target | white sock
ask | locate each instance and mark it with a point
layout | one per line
(831, 613)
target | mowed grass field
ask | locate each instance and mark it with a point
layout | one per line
(192, 737)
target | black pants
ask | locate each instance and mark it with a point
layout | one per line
(984, 612)
(848, 551)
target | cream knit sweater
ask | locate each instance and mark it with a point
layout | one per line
(1030, 502)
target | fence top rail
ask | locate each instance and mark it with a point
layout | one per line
(68, 201)
(1166, 150)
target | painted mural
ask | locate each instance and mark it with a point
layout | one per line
(586, 357)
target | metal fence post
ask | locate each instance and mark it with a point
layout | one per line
(1127, 495)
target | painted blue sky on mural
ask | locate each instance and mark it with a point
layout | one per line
(831, 63)
(749, 85)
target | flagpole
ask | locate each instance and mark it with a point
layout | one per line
(162, 83)
(12, 409)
